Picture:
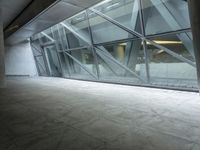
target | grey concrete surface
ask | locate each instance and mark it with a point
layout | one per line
(2, 63)
(19, 60)
(61, 114)
(194, 7)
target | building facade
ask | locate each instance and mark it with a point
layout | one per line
(135, 42)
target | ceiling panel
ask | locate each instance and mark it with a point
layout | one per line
(53, 15)
(11, 8)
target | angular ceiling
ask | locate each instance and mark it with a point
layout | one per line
(56, 12)
(11, 9)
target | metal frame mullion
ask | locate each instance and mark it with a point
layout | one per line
(92, 43)
(146, 55)
(77, 48)
(63, 48)
(57, 48)
(77, 61)
(117, 41)
(37, 66)
(68, 46)
(144, 44)
(169, 33)
(44, 57)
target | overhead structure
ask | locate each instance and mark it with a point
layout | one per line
(39, 15)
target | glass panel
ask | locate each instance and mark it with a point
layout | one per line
(41, 66)
(64, 64)
(119, 56)
(36, 48)
(126, 12)
(105, 31)
(63, 37)
(56, 36)
(77, 31)
(166, 70)
(53, 62)
(164, 16)
(122, 61)
(81, 61)
(181, 44)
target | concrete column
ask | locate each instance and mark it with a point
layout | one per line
(2, 62)
(119, 52)
(194, 8)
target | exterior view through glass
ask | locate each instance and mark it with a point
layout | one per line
(137, 42)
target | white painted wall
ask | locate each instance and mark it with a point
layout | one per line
(19, 60)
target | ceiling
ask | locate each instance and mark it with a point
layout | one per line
(11, 9)
(58, 11)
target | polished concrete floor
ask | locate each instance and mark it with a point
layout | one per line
(60, 114)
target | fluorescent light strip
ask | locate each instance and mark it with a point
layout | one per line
(158, 42)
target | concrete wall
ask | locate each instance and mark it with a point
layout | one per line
(2, 64)
(19, 60)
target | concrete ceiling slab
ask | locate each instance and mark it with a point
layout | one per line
(54, 14)
(11, 8)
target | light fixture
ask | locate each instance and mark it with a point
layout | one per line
(165, 42)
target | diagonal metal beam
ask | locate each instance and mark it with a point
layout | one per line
(170, 14)
(47, 36)
(119, 64)
(181, 58)
(82, 66)
(34, 47)
(67, 26)
(116, 23)
(40, 65)
(173, 53)
(57, 53)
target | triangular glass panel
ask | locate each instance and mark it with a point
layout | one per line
(77, 30)
(105, 31)
(166, 70)
(164, 16)
(82, 64)
(118, 58)
(126, 12)
(180, 43)
(53, 61)
(107, 68)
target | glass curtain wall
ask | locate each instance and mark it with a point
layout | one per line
(137, 42)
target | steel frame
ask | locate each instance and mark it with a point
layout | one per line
(145, 38)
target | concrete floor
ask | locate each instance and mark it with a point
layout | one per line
(60, 114)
